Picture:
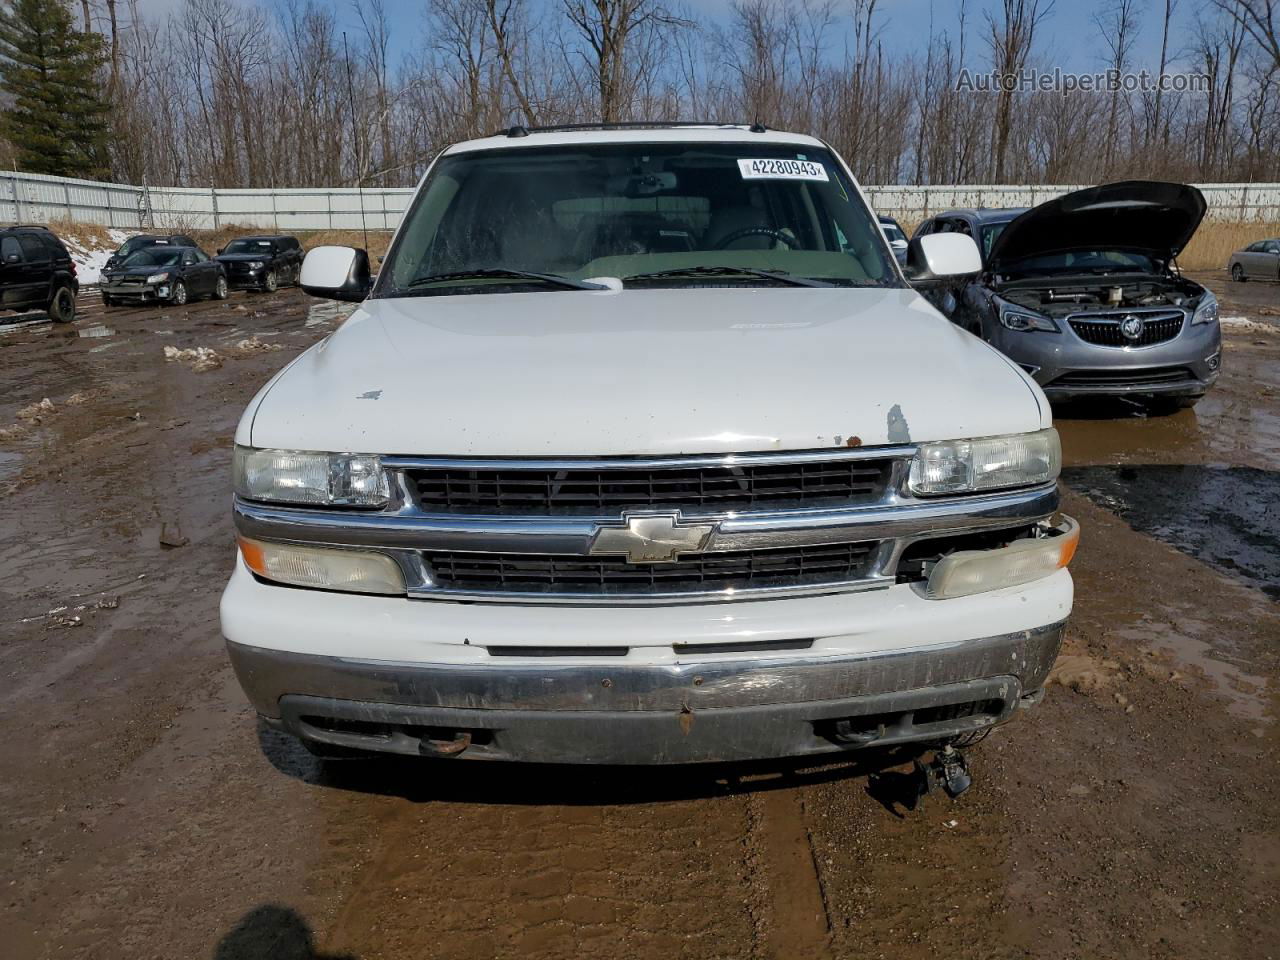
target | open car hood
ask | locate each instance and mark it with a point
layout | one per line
(1146, 216)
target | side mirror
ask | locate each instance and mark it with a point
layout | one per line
(937, 257)
(336, 273)
(13, 258)
(218, 252)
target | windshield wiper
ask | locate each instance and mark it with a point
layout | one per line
(694, 272)
(500, 273)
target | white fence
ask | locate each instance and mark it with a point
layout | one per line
(34, 198)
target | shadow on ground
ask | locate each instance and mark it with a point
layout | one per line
(271, 932)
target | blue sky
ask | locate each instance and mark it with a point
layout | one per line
(1069, 38)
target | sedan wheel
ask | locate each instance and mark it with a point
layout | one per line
(220, 291)
(1237, 273)
(179, 296)
(269, 282)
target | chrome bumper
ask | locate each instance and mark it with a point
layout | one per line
(655, 713)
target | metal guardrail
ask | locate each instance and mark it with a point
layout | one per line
(37, 198)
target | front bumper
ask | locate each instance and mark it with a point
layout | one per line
(145, 293)
(678, 713)
(1067, 367)
(400, 676)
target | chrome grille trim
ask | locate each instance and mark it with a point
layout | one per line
(405, 532)
(1161, 325)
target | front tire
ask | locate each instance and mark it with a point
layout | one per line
(107, 301)
(62, 305)
(179, 296)
(1237, 273)
(220, 289)
(270, 283)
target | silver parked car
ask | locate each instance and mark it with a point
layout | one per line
(1257, 261)
(1083, 293)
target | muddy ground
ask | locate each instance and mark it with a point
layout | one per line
(146, 815)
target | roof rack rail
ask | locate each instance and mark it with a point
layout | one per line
(520, 130)
(25, 226)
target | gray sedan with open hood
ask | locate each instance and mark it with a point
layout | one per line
(1083, 292)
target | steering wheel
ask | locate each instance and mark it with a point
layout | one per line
(756, 232)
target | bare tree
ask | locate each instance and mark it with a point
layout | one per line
(607, 26)
(1011, 38)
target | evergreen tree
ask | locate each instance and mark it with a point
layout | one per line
(55, 114)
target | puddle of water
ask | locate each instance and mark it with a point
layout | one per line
(97, 330)
(328, 311)
(107, 346)
(1226, 517)
(10, 464)
(1245, 691)
(21, 322)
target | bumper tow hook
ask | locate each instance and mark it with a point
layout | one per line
(947, 770)
(444, 748)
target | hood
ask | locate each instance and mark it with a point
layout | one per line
(642, 372)
(144, 271)
(1147, 216)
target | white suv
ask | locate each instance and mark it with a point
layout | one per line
(642, 449)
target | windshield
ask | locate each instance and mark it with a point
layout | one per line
(1084, 261)
(248, 246)
(893, 232)
(989, 234)
(134, 244)
(633, 210)
(155, 257)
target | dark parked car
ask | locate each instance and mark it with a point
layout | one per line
(164, 274)
(1257, 261)
(897, 238)
(262, 263)
(143, 240)
(37, 273)
(1083, 293)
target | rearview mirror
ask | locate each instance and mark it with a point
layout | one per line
(336, 273)
(936, 257)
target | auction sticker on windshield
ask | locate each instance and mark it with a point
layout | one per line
(774, 169)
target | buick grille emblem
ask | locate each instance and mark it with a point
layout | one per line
(657, 538)
(1131, 327)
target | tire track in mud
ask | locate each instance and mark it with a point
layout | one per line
(611, 875)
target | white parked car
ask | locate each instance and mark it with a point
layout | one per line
(643, 449)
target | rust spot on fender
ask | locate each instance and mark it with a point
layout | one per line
(853, 442)
(686, 719)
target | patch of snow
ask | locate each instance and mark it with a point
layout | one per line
(89, 257)
(1245, 325)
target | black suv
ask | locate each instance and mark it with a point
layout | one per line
(37, 273)
(262, 263)
(143, 240)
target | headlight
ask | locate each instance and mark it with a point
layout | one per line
(291, 476)
(1020, 320)
(158, 278)
(255, 265)
(356, 571)
(966, 572)
(1207, 312)
(991, 463)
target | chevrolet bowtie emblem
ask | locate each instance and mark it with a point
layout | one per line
(652, 539)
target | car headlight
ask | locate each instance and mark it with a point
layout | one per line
(990, 463)
(158, 278)
(355, 571)
(255, 265)
(1207, 312)
(1025, 321)
(326, 479)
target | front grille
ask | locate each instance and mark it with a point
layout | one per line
(693, 573)
(1150, 377)
(1104, 329)
(609, 490)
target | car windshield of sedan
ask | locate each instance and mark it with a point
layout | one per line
(134, 244)
(1084, 261)
(155, 257)
(248, 246)
(648, 214)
